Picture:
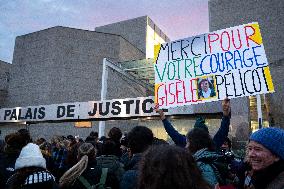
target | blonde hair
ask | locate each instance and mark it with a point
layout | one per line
(70, 176)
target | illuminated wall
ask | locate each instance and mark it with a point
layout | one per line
(154, 36)
(253, 112)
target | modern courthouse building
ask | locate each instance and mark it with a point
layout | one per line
(61, 64)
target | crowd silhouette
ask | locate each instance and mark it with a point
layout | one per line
(139, 160)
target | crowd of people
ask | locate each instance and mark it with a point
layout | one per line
(139, 160)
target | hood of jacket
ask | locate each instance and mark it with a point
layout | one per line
(205, 155)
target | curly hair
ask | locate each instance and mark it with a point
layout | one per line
(198, 139)
(166, 166)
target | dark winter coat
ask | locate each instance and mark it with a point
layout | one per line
(7, 165)
(130, 177)
(218, 139)
(207, 162)
(93, 174)
(112, 163)
(39, 179)
(271, 177)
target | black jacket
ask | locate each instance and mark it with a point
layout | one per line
(39, 179)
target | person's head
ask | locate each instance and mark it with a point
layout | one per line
(204, 85)
(226, 146)
(265, 147)
(86, 149)
(70, 137)
(40, 141)
(197, 139)
(30, 156)
(15, 142)
(139, 139)
(54, 140)
(200, 123)
(115, 134)
(102, 139)
(25, 134)
(30, 168)
(124, 141)
(94, 134)
(166, 166)
(108, 147)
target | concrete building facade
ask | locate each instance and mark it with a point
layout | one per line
(61, 64)
(270, 16)
(4, 82)
(141, 31)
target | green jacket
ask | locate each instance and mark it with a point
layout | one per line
(112, 163)
(206, 161)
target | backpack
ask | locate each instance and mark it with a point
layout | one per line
(114, 166)
(221, 171)
(100, 185)
(220, 168)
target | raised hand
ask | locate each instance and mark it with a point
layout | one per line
(226, 106)
(160, 112)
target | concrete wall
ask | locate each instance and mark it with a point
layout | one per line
(133, 30)
(4, 82)
(276, 99)
(270, 16)
(62, 64)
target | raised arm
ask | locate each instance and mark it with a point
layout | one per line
(179, 139)
(223, 131)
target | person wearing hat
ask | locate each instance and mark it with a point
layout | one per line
(265, 153)
(31, 171)
(218, 139)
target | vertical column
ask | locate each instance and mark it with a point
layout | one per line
(103, 94)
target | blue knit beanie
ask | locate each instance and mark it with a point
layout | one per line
(271, 138)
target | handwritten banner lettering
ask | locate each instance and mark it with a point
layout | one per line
(210, 67)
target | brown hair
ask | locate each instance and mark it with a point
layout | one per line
(167, 166)
(198, 139)
(86, 149)
(115, 134)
